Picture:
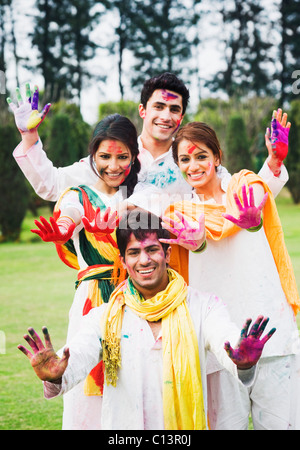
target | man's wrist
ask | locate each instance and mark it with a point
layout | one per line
(274, 165)
(29, 138)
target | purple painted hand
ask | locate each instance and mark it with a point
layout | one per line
(26, 114)
(280, 139)
(100, 226)
(188, 236)
(250, 215)
(44, 361)
(276, 141)
(250, 346)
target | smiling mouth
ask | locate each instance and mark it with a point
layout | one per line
(146, 271)
(163, 127)
(114, 175)
(196, 176)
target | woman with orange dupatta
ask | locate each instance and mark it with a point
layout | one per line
(244, 261)
(83, 229)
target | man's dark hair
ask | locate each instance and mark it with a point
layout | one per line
(140, 223)
(167, 81)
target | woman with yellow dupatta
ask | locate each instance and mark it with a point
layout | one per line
(246, 263)
(82, 228)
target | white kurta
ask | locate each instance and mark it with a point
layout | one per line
(136, 402)
(242, 271)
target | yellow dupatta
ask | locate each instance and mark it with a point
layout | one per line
(219, 228)
(183, 403)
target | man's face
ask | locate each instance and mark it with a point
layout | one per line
(146, 264)
(162, 115)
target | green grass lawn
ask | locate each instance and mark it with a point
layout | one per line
(36, 289)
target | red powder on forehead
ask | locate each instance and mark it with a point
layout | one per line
(114, 147)
(191, 149)
(167, 95)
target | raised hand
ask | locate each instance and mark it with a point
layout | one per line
(188, 236)
(59, 231)
(45, 362)
(280, 139)
(249, 214)
(250, 346)
(276, 141)
(104, 225)
(26, 113)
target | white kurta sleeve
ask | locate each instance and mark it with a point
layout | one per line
(85, 353)
(274, 183)
(49, 181)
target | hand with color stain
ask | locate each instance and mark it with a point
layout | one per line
(100, 226)
(44, 361)
(26, 114)
(280, 139)
(249, 214)
(188, 236)
(58, 231)
(276, 141)
(250, 346)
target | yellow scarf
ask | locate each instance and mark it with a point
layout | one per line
(182, 386)
(219, 228)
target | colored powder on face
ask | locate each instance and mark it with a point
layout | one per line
(191, 149)
(177, 125)
(184, 175)
(127, 171)
(209, 168)
(167, 95)
(114, 148)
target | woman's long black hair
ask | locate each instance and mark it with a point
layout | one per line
(119, 128)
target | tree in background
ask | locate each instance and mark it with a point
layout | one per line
(62, 36)
(293, 158)
(47, 36)
(66, 135)
(246, 50)
(3, 42)
(14, 193)
(126, 108)
(124, 29)
(80, 19)
(163, 38)
(289, 49)
(237, 156)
